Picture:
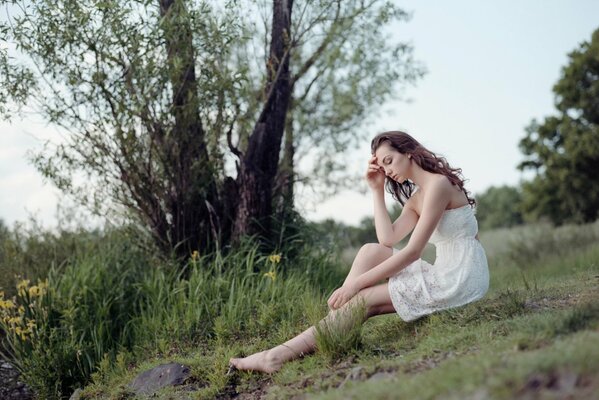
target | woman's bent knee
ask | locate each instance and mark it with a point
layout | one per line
(374, 248)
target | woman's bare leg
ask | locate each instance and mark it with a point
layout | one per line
(376, 300)
(369, 256)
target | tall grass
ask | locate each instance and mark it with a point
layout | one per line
(28, 251)
(107, 300)
(340, 333)
(119, 301)
(82, 317)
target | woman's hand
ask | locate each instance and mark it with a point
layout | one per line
(375, 176)
(342, 295)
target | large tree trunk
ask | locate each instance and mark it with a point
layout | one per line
(260, 162)
(191, 199)
(284, 193)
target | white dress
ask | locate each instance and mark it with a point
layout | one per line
(459, 275)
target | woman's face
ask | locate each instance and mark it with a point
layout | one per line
(395, 164)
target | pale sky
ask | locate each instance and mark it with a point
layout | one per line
(491, 66)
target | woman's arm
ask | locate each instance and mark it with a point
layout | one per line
(388, 234)
(433, 207)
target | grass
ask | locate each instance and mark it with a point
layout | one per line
(535, 334)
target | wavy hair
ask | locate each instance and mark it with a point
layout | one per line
(426, 159)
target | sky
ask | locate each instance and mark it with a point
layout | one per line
(491, 66)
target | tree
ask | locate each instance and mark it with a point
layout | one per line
(564, 149)
(499, 207)
(157, 99)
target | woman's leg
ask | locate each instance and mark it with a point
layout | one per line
(377, 302)
(369, 256)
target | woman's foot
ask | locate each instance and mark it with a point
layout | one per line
(264, 361)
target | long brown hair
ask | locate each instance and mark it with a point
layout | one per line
(426, 159)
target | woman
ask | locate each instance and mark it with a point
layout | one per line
(436, 207)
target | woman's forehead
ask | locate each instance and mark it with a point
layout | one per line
(383, 151)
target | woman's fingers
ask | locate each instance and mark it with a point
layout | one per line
(332, 299)
(335, 297)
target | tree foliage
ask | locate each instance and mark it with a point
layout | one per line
(499, 207)
(158, 99)
(564, 149)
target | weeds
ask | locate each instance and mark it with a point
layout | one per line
(111, 307)
(340, 332)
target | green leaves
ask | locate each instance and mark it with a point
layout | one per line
(564, 149)
(185, 80)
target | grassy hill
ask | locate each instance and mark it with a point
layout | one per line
(112, 311)
(535, 335)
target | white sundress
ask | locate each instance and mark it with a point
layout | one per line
(459, 275)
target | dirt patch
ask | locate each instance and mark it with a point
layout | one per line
(248, 391)
(561, 383)
(552, 303)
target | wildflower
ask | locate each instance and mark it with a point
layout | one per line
(271, 274)
(195, 255)
(1, 294)
(22, 286)
(275, 258)
(43, 285)
(20, 332)
(6, 304)
(21, 310)
(35, 291)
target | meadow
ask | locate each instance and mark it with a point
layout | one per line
(94, 309)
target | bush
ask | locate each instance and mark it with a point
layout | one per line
(59, 330)
(121, 300)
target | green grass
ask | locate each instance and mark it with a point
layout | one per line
(535, 334)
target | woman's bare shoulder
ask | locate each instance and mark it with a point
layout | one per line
(414, 203)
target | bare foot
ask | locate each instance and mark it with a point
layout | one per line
(262, 361)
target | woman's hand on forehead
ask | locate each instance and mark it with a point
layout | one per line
(373, 160)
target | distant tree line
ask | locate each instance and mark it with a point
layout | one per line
(563, 150)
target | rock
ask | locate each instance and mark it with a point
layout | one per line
(150, 381)
(76, 394)
(381, 375)
(10, 386)
(356, 373)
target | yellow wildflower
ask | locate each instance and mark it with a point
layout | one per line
(6, 304)
(22, 286)
(31, 324)
(272, 275)
(43, 285)
(15, 320)
(21, 310)
(195, 255)
(1, 294)
(34, 291)
(20, 332)
(275, 258)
